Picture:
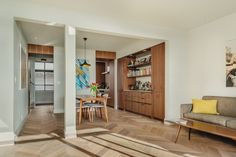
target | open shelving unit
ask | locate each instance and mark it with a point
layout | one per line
(145, 65)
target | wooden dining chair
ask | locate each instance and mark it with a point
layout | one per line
(101, 104)
(84, 108)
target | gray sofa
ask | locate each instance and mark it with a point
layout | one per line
(226, 106)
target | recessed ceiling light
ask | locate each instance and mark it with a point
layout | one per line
(51, 23)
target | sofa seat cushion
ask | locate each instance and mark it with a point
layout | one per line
(215, 119)
(231, 123)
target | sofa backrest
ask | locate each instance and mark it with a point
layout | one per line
(226, 105)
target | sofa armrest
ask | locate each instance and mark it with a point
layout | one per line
(185, 108)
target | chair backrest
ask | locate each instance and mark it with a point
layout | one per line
(105, 96)
(99, 94)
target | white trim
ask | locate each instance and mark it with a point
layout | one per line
(70, 132)
(20, 126)
(7, 138)
(169, 122)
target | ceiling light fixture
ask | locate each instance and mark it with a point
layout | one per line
(85, 64)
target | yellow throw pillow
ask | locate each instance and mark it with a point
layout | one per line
(204, 106)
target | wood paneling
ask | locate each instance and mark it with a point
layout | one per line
(158, 76)
(123, 81)
(158, 107)
(40, 49)
(120, 82)
(100, 68)
(158, 67)
(105, 55)
(110, 80)
(138, 102)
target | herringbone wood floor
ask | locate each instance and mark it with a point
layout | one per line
(42, 121)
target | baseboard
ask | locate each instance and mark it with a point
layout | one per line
(7, 138)
(20, 127)
(169, 122)
(58, 111)
(70, 132)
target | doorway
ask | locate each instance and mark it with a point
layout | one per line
(37, 102)
(105, 76)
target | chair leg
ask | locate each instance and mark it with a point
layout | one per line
(88, 110)
(86, 113)
(91, 114)
(106, 115)
(80, 116)
(95, 110)
(100, 112)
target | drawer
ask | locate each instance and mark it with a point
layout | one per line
(145, 98)
(136, 96)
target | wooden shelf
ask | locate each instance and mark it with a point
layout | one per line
(136, 90)
(140, 65)
(139, 76)
(106, 72)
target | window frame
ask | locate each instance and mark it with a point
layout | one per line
(44, 70)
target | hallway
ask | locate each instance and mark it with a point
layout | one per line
(41, 120)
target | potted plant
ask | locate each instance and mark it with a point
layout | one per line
(94, 89)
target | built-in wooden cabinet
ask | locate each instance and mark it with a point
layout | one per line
(150, 103)
(40, 49)
(138, 102)
(105, 55)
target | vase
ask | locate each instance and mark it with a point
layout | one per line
(94, 93)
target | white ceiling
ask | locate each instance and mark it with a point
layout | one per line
(181, 14)
(103, 42)
(42, 34)
(39, 33)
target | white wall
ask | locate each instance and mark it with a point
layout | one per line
(91, 58)
(20, 95)
(7, 75)
(59, 79)
(206, 58)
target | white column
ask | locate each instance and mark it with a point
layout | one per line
(70, 92)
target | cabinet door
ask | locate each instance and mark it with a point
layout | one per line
(158, 68)
(136, 96)
(142, 97)
(141, 108)
(158, 106)
(135, 107)
(128, 105)
(147, 98)
(148, 110)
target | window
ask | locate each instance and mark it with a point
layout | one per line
(44, 76)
